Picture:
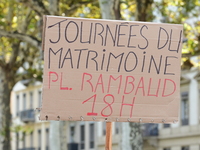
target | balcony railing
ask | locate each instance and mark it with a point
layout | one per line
(31, 148)
(72, 146)
(166, 125)
(150, 129)
(184, 121)
(27, 115)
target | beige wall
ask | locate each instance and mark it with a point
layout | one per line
(178, 136)
(28, 127)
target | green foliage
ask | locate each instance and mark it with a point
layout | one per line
(184, 12)
(79, 8)
(19, 128)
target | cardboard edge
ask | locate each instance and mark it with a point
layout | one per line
(44, 31)
(119, 21)
(43, 47)
(165, 120)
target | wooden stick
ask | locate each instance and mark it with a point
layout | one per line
(108, 136)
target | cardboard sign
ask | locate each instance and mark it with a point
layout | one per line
(96, 70)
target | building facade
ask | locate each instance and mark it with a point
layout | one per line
(184, 135)
(28, 133)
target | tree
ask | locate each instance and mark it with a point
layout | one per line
(20, 44)
(184, 12)
(143, 12)
(110, 9)
(14, 55)
(140, 10)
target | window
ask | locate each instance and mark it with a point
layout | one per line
(17, 141)
(117, 127)
(82, 136)
(39, 99)
(184, 109)
(72, 132)
(17, 105)
(47, 139)
(104, 127)
(31, 100)
(39, 140)
(166, 125)
(185, 148)
(24, 140)
(92, 135)
(24, 101)
(31, 140)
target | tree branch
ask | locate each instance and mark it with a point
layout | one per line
(27, 38)
(2, 63)
(15, 49)
(26, 21)
(54, 7)
(76, 6)
(190, 54)
(37, 6)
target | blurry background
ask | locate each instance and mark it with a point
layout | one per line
(21, 66)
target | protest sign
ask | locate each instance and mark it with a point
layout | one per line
(115, 70)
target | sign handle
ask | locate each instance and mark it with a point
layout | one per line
(108, 136)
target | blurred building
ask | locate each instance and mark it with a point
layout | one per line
(31, 134)
(184, 135)
(28, 133)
